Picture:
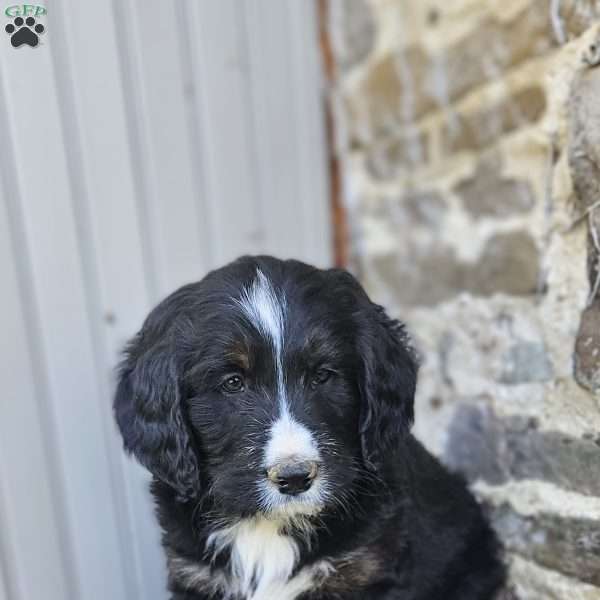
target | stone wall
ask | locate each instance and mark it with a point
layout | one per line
(469, 137)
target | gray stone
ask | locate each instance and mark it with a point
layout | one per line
(568, 545)
(509, 264)
(386, 158)
(474, 438)
(526, 362)
(578, 15)
(392, 91)
(494, 46)
(483, 446)
(421, 279)
(478, 129)
(584, 162)
(486, 194)
(357, 30)
(584, 137)
(427, 208)
(587, 348)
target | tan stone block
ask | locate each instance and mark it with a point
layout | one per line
(386, 158)
(405, 85)
(488, 194)
(587, 349)
(578, 15)
(494, 47)
(509, 264)
(478, 129)
(356, 31)
(393, 91)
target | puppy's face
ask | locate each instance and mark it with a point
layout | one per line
(270, 386)
(272, 395)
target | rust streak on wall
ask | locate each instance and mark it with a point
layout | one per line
(339, 220)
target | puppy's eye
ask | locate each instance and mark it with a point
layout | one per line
(320, 377)
(233, 384)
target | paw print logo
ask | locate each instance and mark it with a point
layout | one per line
(24, 32)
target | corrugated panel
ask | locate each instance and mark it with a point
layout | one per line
(3, 585)
(286, 115)
(159, 92)
(31, 553)
(141, 146)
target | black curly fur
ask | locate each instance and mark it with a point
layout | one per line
(398, 526)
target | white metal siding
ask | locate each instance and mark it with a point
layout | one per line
(141, 144)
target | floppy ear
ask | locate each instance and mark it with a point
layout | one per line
(148, 411)
(387, 387)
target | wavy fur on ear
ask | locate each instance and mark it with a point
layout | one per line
(148, 411)
(388, 382)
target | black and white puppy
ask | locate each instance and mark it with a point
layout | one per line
(272, 403)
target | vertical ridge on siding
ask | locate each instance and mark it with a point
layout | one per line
(30, 543)
(192, 47)
(195, 106)
(161, 88)
(4, 587)
(256, 140)
(64, 335)
(25, 292)
(309, 123)
(287, 128)
(89, 254)
(137, 149)
(275, 148)
(219, 66)
(257, 236)
(9, 582)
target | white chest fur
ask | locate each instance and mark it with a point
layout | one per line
(262, 562)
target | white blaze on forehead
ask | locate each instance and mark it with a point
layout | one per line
(266, 311)
(290, 439)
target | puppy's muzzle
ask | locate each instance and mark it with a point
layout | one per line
(293, 477)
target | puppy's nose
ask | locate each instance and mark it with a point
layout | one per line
(293, 477)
